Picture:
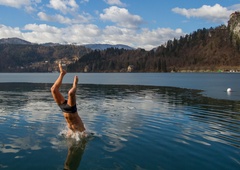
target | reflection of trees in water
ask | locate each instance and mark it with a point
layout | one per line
(113, 106)
(111, 111)
(118, 103)
(18, 94)
(14, 96)
(169, 95)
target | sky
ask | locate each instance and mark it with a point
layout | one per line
(137, 23)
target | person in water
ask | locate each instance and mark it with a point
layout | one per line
(68, 106)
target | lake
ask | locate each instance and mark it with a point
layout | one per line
(162, 121)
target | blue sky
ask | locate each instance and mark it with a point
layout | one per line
(137, 23)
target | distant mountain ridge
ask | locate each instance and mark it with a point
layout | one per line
(106, 46)
(91, 46)
(14, 41)
(204, 50)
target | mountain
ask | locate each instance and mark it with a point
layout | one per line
(14, 41)
(204, 50)
(51, 44)
(105, 46)
(91, 46)
(37, 58)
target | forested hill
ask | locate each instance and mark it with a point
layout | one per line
(210, 49)
(206, 49)
(37, 58)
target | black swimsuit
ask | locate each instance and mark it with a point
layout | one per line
(68, 109)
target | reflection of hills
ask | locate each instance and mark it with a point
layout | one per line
(119, 110)
(26, 92)
(16, 95)
(122, 110)
(19, 94)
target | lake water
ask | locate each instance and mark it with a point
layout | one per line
(139, 121)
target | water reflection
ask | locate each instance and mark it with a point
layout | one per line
(23, 143)
(75, 153)
(156, 121)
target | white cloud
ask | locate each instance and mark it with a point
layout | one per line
(152, 37)
(65, 6)
(54, 18)
(90, 34)
(117, 35)
(64, 20)
(9, 32)
(41, 28)
(121, 17)
(125, 28)
(81, 34)
(215, 13)
(145, 38)
(78, 33)
(115, 2)
(26, 4)
(14, 3)
(235, 7)
(84, 1)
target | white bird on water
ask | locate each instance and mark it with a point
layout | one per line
(229, 90)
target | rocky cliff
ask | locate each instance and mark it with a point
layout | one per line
(234, 27)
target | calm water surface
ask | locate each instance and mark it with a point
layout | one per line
(138, 121)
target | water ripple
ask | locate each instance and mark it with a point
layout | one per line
(150, 127)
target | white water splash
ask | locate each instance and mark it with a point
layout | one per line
(68, 133)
